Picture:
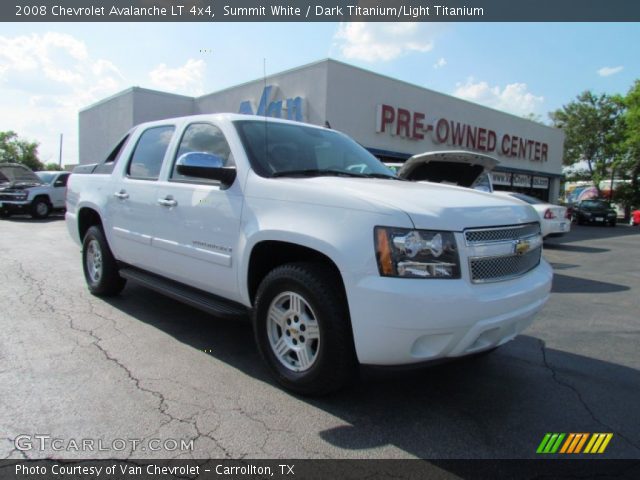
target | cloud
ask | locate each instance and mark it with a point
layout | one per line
(187, 79)
(46, 79)
(607, 71)
(373, 42)
(513, 98)
(440, 63)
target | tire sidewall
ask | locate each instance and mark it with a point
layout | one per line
(336, 361)
(266, 297)
(110, 282)
(34, 208)
(91, 235)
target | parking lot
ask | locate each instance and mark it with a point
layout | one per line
(142, 366)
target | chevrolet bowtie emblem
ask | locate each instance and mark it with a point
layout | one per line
(521, 247)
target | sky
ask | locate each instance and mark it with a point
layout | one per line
(50, 71)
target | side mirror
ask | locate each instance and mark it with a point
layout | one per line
(58, 183)
(206, 165)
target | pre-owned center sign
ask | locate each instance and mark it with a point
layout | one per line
(413, 125)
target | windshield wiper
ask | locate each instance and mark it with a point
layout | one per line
(316, 172)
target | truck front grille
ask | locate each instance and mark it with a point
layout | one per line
(493, 269)
(500, 234)
(497, 254)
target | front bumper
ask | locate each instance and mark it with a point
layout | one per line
(15, 206)
(402, 321)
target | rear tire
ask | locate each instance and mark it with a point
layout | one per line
(302, 329)
(99, 266)
(40, 208)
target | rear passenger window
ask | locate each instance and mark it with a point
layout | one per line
(147, 157)
(205, 138)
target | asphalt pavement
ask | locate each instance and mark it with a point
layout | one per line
(141, 367)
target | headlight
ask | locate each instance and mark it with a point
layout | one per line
(586, 214)
(402, 252)
(22, 197)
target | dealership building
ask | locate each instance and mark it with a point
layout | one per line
(391, 118)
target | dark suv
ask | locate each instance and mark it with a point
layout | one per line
(595, 211)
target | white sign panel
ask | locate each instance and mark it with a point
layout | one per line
(501, 178)
(520, 180)
(541, 182)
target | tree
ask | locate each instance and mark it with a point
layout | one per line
(631, 160)
(593, 127)
(52, 166)
(17, 150)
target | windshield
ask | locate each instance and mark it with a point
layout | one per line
(482, 183)
(282, 149)
(17, 174)
(594, 204)
(46, 177)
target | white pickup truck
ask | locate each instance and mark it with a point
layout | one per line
(37, 194)
(337, 260)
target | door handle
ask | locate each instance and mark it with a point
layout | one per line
(122, 195)
(167, 202)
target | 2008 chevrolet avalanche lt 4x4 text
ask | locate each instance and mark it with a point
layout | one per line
(338, 261)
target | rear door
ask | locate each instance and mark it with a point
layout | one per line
(198, 225)
(133, 201)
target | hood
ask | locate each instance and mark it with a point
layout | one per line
(429, 205)
(450, 167)
(14, 174)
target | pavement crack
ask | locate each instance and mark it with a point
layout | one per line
(585, 405)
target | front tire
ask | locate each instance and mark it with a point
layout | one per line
(99, 265)
(4, 213)
(40, 208)
(302, 329)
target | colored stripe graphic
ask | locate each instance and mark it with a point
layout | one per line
(598, 442)
(550, 443)
(574, 443)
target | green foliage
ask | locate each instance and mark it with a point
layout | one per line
(594, 132)
(626, 195)
(16, 150)
(52, 166)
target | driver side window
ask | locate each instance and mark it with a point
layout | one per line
(203, 138)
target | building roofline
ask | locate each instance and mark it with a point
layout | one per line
(312, 64)
(388, 77)
(136, 89)
(276, 74)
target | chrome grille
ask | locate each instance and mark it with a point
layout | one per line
(501, 253)
(500, 234)
(493, 269)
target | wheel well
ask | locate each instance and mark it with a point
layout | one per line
(43, 197)
(87, 218)
(268, 255)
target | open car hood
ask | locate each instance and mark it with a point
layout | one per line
(450, 167)
(14, 174)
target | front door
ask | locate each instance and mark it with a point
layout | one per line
(198, 225)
